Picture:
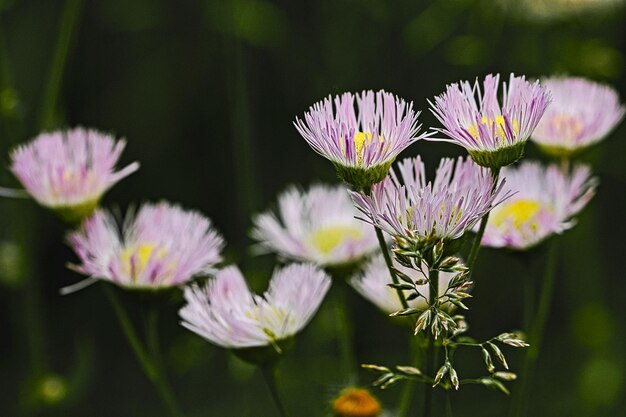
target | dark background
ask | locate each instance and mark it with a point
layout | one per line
(206, 92)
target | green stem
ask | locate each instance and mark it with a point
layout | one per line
(471, 259)
(431, 357)
(409, 387)
(536, 331)
(69, 20)
(269, 375)
(529, 301)
(449, 412)
(151, 370)
(344, 330)
(385, 250)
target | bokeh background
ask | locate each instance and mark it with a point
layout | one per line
(206, 92)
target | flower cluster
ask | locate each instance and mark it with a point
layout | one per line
(316, 226)
(494, 134)
(581, 114)
(69, 171)
(544, 201)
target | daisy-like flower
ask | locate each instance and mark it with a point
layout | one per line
(69, 171)
(410, 208)
(227, 314)
(372, 285)
(161, 246)
(582, 113)
(493, 134)
(362, 143)
(317, 226)
(544, 202)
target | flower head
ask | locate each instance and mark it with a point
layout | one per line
(493, 134)
(408, 207)
(227, 314)
(69, 171)
(372, 284)
(582, 113)
(162, 246)
(356, 402)
(362, 144)
(317, 226)
(544, 202)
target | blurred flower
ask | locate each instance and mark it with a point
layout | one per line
(493, 135)
(543, 203)
(372, 284)
(582, 113)
(317, 226)
(162, 246)
(425, 212)
(554, 9)
(356, 402)
(227, 314)
(69, 171)
(362, 145)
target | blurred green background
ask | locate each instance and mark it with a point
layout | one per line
(206, 92)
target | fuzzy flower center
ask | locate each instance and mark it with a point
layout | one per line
(516, 213)
(136, 258)
(566, 126)
(356, 402)
(498, 125)
(269, 317)
(361, 141)
(328, 238)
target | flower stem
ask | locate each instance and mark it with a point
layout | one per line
(69, 20)
(471, 259)
(449, 412)
(431, 357)
(147, 362)
(269, 374)
(344, 329)
(389, 262)
(536, 332)
(409, 387)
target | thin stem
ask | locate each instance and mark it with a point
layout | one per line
(269, 375)
(69, 20)
(431, 357)
(389, 262)
(536, 332)
(449, 412)
(409, 387)
(471, 259)
(344, 330)
(147, 363)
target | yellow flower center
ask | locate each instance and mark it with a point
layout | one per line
(500, 125)
(566, 126)
(137, 257)
(356, 402)
(517, 213)
(329, 238)
(361, 141)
